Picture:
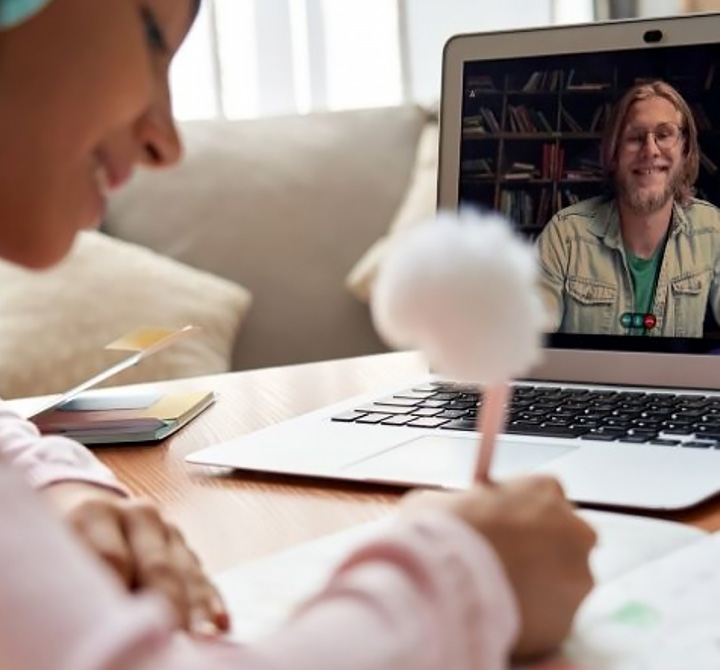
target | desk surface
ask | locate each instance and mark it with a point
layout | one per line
(230, 517)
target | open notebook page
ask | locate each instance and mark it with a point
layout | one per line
(261, 594)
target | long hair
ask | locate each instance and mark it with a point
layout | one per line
(684, 189)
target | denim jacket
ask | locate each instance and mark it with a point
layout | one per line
(586, 283)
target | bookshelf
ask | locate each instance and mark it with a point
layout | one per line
(531, 140)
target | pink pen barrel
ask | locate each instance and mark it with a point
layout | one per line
(491, 422)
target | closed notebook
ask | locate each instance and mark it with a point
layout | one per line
(123, 416)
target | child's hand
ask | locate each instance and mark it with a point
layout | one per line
(143, 549)
(543, 545)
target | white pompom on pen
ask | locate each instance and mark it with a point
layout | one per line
(461, 288)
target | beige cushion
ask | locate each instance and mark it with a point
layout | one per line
(418, 205)
(285, 207)
(55, 324)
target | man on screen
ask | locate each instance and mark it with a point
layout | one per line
(646, 259)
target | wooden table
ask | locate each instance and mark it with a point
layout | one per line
(228, 516)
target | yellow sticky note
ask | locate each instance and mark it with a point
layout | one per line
(150, 338)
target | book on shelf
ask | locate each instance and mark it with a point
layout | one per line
(482, 81)
(589, 86)
(483, 122)
(584, 169)
(519, 170)
(123, 415)
(598, 120)
(477, 168)
(524, 119)
(479, 84)
(517, 205)
(580, 175)
(543, 80)
(570, 122)
(553, 161)
(600, 117)
(542, 213)
(573, 83)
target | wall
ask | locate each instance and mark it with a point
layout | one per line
(429, 23)
(659, 7)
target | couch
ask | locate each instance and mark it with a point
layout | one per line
(262, 227)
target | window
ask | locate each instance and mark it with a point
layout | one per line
(248, 58)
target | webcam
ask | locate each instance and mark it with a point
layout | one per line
(652, 36)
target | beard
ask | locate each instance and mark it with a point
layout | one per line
(643, 201)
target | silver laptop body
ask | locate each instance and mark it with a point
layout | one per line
(531, 70)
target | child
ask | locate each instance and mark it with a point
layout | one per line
(58, 148)
(460, 581)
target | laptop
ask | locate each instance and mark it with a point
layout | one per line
(625, 419)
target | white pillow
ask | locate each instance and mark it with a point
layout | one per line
(418, 205)
(284, 206)
(55, 323)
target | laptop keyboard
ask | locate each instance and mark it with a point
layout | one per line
(663, 419)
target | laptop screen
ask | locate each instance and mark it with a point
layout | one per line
(608, 160)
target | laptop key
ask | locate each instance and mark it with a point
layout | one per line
(452, 413)
(397, 420)
(373, 418)
(426, 411)
(686, 415)
(427, 422)
(397, 402)
(678, 430)
(559, 421)
(641, 430)
(431, 403)
(461, 404)
(700, 444)
(415, 395)
(633, 439)
(460, 425)
(587, 423)
(614, 422)
(385, 409)
(542, 430)
(443, 396)
(663, 442)
(600, 437)
(349, 417)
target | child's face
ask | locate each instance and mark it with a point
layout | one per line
(83, 99)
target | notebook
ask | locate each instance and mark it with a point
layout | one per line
(127, 415)
(522, 119)
(653, 605)
(124, 416)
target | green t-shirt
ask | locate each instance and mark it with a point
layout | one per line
(644, 272)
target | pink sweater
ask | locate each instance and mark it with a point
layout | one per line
(430, 593)
(48, 459)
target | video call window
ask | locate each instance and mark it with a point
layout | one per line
(532, 133)
(532, 127)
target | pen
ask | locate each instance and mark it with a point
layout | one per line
(491, 422)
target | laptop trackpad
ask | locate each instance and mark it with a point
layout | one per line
(449, 461)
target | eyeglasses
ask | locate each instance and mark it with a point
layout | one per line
(666, 136)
